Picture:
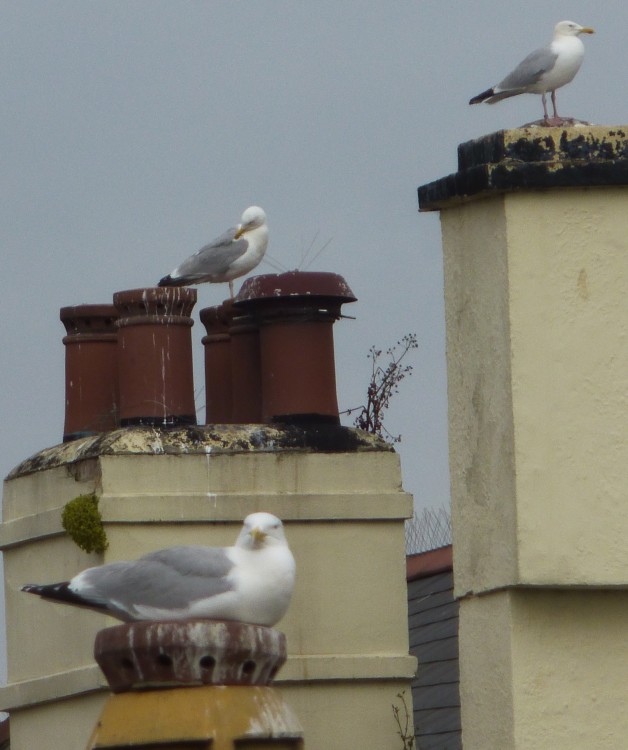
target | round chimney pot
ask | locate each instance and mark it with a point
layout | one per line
(167, 304)
(155, 356)
(91, 370)
(295, 289)
(188, 652)
(217, 319)
(217, 345)
(295, 312)
(246, 366)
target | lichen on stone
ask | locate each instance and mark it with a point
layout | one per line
(83, 522)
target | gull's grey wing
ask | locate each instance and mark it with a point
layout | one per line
(214, 258)
(170, 578)
(530, 70)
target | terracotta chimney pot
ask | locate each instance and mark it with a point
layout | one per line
(246, 377)
(296, 312)
(91, 370)
(217, 343)
(192, 652)
(155, 356)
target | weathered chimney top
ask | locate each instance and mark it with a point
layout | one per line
(188, 652)
(532, 158)
(94, 319)
(202, 440)
(294, 288)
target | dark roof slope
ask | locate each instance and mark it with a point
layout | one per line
(4, 734)
(433, 626)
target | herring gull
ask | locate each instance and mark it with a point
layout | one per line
(233, 254)
(250, 582)
(545, 69)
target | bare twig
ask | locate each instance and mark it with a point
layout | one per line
(404, 725)
(383, 386)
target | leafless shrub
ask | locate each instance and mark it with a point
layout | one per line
(404, 725)
(384, 384)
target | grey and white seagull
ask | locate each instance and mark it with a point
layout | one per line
(233, 254)
(250, 582)
(545, 69)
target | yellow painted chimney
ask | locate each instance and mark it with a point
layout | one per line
(201, 684)
(535, 242)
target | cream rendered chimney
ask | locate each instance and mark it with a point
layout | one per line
(338, 491)
(535, 241)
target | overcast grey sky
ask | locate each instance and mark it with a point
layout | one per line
(135, 131)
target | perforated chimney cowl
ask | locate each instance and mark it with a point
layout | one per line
(296, 312)
(91, 370)
(155, 356)
(188, 652)
(217, 344)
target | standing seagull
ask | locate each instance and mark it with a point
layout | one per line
(545, 69)
(250, 582)
(233, 254)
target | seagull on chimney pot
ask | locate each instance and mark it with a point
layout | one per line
(233, 254)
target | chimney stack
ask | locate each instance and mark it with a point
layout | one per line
(534, 228)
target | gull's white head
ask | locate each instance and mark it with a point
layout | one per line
(571, 28)
(261, 530)
(252, 218)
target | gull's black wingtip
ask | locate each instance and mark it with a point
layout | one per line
(169, 280)
(175, 281)
(32, 588)
(63, 594)
(59, 592)
(50, 590)
(483, 96)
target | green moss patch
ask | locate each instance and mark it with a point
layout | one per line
(83, 522)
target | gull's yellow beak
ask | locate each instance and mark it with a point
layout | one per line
(241, 230)
(587, 30)
(258, 535)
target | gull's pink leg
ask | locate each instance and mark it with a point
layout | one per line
(554, 105)
(543, 99)
(556, 120)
